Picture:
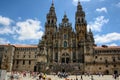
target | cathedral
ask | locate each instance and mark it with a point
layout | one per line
(63, 49)
(65, 46)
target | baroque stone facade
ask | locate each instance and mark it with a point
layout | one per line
(65, 46)
(62, 48)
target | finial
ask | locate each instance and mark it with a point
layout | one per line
(78, 2)
(65, 14)
(89, 29)
(52, 1)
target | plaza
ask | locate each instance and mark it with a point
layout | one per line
(70, 77)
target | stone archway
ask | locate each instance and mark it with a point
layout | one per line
(107, 72)
(115, 72)
(65, 58)
(35, 68)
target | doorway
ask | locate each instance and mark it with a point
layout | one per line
(107, 72)
(35, 68)
(63, 70)
(65, 58)
(115, 72)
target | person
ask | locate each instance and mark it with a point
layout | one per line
(92, 77)
(12, 77)
(40, 77)
(81, 77)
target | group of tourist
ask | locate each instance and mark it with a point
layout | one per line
(14, 75)
(62, 75)
(41, 76)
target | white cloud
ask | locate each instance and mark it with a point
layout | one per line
(29, 29)
(3, 41)
(112, 44)
(6, 30)
(108, 38)
(98, 23)
(76, 1)
(103, 9)
(5, 21)
(5, 25)
(118, 4)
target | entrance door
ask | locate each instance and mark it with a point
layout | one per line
(63, 70)
(115, 72)
(35, 68)
(107, 72)
(65, 58)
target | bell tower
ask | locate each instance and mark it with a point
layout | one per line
(51, 20)
(80, 23)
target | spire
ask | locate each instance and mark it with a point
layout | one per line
(90, 32)
(78, 2)
(52, 9)
(89, 29)
(65, 19)
(52, 6)
(65, 16)
(79, 7)
(52, 2)
(51, 16)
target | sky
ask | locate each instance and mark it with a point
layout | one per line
(22, 21)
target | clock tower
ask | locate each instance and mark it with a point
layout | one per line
(80, 23)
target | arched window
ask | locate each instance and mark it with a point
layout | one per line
(23, 62)
(82, 20)
(74, 57)
(65, 58)
(52, 21)
(56, 57)
(78, 20)
(73, 43)
(65, 43)
(48, 21)
(65, 36)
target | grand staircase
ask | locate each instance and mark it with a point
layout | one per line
(72, 68)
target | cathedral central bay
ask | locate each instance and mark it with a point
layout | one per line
(66, 48)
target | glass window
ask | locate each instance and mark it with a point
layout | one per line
(56, 57)
(17, 62)
(74, 57)
(73, 43)
(52, 21)
(63, 60)
(99, 68)
(23, 62)
(78, 20)
(65, 36)
(95, 57)
(29, 62)
(65, 44)
(82, 20)
(114, 59)
(23, 56)
(106, 65)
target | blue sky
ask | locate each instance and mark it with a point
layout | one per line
(22, 21)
